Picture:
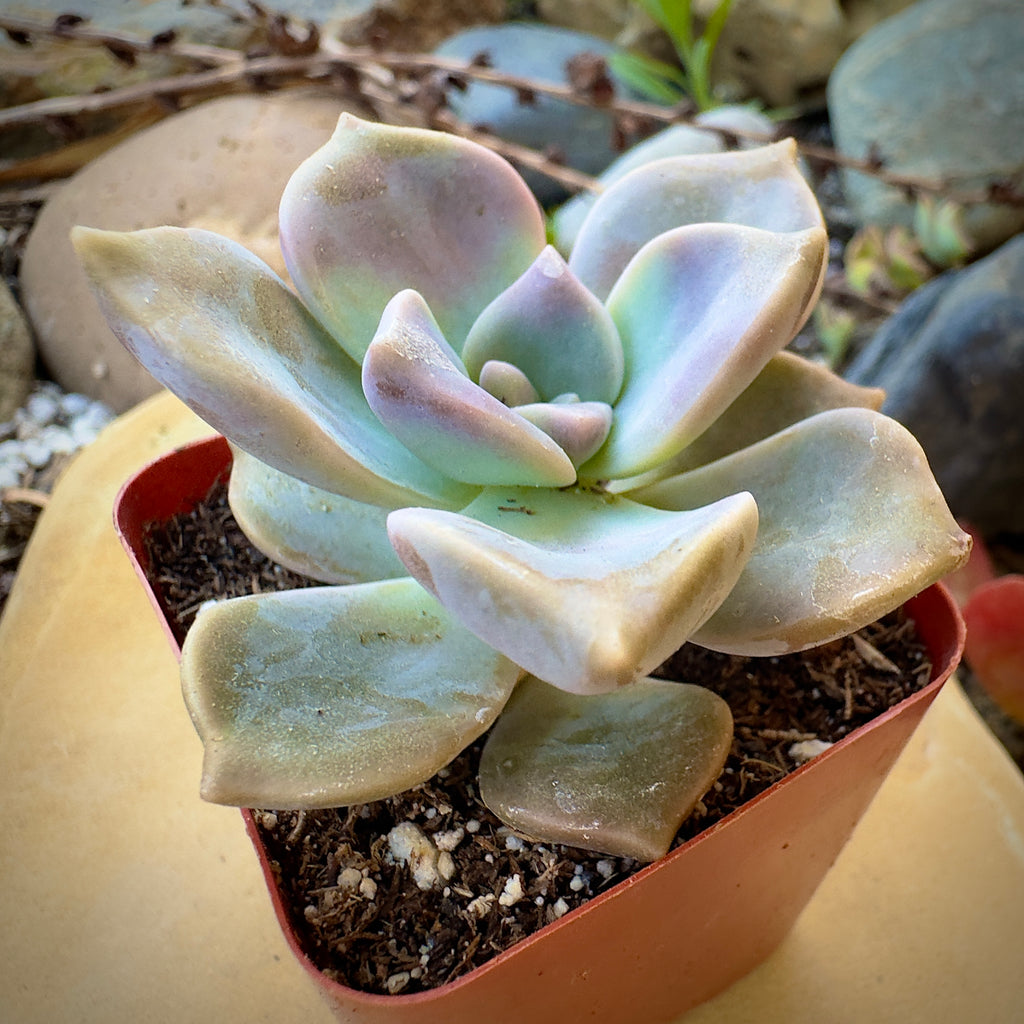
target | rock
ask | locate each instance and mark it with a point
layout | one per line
(936, 91)
(776, 50)
(221, 165)
(53, 67)
(47, 428)
(585, 136)
(622, 21)
(411, 25)
(779, 50)
(952, 363)
(17, 355)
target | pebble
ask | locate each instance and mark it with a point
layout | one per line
(50, 423)
(513, 891)
(397, 982)
(409, 845)
(350, 878)
(805, 750)
(449, 840)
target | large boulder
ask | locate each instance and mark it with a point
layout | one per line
(221, 165)
(952, 364)
(938, 92)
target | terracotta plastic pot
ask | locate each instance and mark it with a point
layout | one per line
(676, 933)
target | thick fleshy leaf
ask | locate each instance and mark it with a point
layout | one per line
(415, 383)
(507, 383)
(381, 208)
(554, 330)
(578, 428)
(585, 591)
(789, 389)
(334, 695)
(700, 311)
(676, 140)
(616, 773)
(319, 534)
(852, 525)
(760, 188)
(219, 328)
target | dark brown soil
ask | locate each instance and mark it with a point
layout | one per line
(360, 916)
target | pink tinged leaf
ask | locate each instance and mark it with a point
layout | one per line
(554, 330)
(852, 525)
(418, 388)
(994, 614)
(616, 773)
(760, 188)
(789, 389)
(221, 330)
(585, 591)
(381, 208)
(578, 428)
(701, 310)
(507, 383)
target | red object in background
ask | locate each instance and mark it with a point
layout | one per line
(994, 613)
(993, 608)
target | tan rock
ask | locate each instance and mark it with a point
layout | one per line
(771, 49)
(778, 49)
(221, 165)
(17, 355)
(411, 25)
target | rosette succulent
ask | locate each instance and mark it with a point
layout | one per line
(527, 477)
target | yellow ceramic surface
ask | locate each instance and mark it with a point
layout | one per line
(124, 898)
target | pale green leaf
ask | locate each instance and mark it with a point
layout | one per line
(221, 330)
(310, 531)
(852, 525)
(554, 330)
(616, 773)
(586, 591)
(700, 311)
(334, 695)
(760, 188)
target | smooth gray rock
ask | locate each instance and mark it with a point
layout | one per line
(936, 91)
(583, 134)
(952, 364)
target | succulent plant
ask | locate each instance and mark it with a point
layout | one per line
(529, 480)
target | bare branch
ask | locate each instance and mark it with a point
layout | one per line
(396, 82)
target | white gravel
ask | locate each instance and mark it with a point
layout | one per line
(52, 422)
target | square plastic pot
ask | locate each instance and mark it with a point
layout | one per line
(671, 936)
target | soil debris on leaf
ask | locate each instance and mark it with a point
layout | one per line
(360, 915)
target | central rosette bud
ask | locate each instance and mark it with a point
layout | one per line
(526, 398)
